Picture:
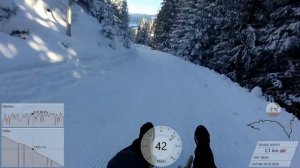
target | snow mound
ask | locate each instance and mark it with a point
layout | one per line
(256, 91)
(39, 36)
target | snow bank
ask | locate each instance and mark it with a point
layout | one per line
(46, 42)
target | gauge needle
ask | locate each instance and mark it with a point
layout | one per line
(171, 138)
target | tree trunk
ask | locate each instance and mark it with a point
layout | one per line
(69, 17)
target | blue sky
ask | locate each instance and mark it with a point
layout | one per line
(144, 6)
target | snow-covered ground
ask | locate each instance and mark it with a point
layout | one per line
(109, 93)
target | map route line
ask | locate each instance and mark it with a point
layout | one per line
(287, 133)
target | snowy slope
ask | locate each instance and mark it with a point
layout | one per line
(47, 43)
(109, 93)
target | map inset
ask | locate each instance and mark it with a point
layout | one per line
(32, 135)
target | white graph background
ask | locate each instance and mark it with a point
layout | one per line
(52, 139)
(32, 115)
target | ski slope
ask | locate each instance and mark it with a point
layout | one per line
(109, 93)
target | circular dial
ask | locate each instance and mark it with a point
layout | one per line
(161, 146)
(273, 109)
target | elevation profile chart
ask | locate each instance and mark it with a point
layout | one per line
(32, 135)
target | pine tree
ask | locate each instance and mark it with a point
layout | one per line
(183, 32)
(151, 32)
(112, 15)
(254, 42)
(132, 34)
(142, 36)
(121, 11)
(163, 24)
(125, 24)
(125, 16)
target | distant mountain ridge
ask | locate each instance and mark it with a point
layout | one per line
(135, 18)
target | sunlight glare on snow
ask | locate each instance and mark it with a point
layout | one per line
(76, 75)
(29, 16)
(34, 45)
(8, 51)
(40, 8)
(72, 52)
(39, 45)
(53, 57)
(47, 24)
